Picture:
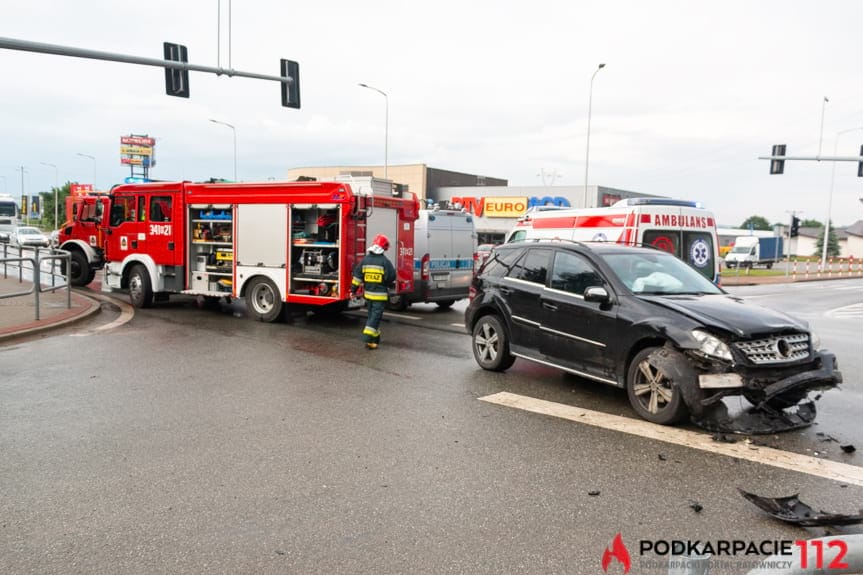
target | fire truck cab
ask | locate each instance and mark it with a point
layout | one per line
(82, 235)
(680, 227)
(275, 244)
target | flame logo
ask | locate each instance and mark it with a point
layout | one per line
(617, 551)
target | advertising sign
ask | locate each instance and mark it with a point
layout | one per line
(138, 141)
(137, 151)
(76, 190)
(35, 207)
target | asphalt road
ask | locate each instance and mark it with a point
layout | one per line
(191, 441)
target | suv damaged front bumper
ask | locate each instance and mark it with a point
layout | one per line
(779, 396)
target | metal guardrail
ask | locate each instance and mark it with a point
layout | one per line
(56, 260)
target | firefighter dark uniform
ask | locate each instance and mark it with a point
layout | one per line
(376, 274)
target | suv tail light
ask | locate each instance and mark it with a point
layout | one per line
(471, 293)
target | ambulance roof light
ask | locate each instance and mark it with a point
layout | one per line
(657, 202)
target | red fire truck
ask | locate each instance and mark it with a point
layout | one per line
(82, 235)
(274, 244)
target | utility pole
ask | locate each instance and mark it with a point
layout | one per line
(24, 202)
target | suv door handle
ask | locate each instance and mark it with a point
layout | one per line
(550, 306)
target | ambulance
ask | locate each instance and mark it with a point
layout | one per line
(680, 227)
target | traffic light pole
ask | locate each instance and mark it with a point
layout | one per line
(791, 236)
(815, 158)
(26, 46)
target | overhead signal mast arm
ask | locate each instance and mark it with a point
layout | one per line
(176, 50)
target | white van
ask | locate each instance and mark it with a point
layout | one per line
(444, 246)
(680, 227)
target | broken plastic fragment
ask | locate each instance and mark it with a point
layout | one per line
(791, 510)
(757, 421)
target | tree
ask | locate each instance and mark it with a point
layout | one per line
(811, 224)
(756, 223)
(832, 243)
(48, 206)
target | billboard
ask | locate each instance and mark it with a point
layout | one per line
(137, 151)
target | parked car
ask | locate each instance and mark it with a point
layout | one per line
(644, 320)
(24, 236)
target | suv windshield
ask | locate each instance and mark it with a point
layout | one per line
(658, 273)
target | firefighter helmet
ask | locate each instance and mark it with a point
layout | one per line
(382, 242)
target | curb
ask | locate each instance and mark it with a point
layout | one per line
(89, 307)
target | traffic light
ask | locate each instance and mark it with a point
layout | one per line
(291, 90)
(795, 227)
(777, 166)
(176, 80)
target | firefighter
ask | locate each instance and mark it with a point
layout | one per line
(375, 273)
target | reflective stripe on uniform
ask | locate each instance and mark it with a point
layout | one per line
(376, 296)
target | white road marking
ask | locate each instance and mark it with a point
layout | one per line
(402, 316)
(848, 311)
(127, 312)
(841, 472)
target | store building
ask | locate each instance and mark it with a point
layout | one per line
(496, 205)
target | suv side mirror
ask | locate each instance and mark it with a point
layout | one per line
(596, 294)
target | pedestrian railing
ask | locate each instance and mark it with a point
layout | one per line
(48, 269)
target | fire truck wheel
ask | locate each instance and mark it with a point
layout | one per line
(263, 300)
(140, 290)
(397, 302)
(79, 275)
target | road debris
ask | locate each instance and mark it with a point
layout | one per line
(791, 510)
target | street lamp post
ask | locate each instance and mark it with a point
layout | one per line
(824, 241)
(95, 187)
(235, 143)
(56, 186)
(589, 110)
(386, 123)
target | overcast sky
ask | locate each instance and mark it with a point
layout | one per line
(692, 93)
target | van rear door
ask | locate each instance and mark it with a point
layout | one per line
(462, 250)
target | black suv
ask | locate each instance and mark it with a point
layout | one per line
(642, 319)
